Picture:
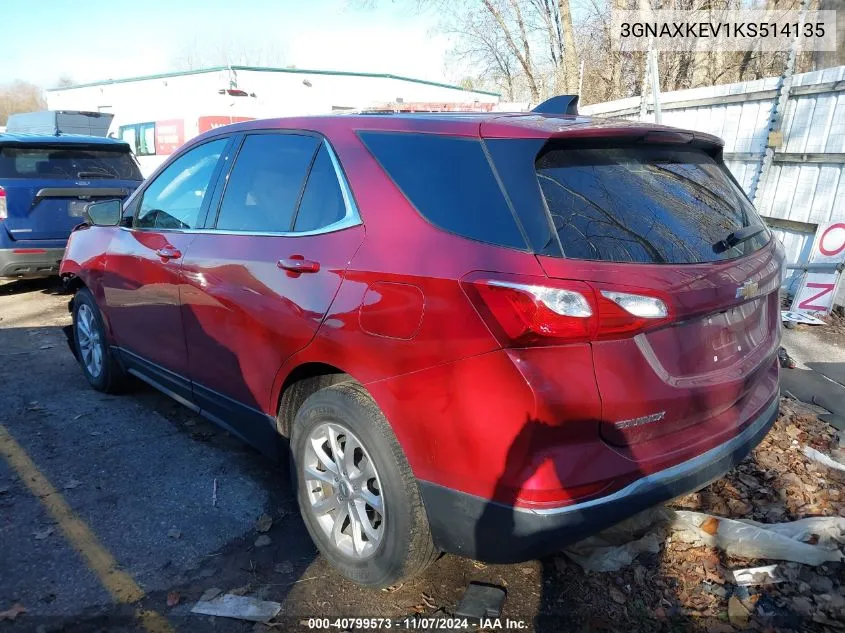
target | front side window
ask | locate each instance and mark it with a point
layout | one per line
(174, 199)
(266, 183)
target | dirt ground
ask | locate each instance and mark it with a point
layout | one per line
(138, 471)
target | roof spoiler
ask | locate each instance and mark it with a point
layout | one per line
(561, 104)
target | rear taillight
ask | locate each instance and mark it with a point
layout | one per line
(3, 212)
(553, 312)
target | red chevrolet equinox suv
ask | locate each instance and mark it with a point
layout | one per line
(490, 335)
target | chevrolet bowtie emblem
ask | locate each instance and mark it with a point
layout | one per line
(747, 290)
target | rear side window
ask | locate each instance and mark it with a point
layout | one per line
(450, 182)
(322, 202)
(266, 182)
(64, 163)
(644, 204)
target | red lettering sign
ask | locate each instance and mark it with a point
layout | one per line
(170, 135)
(832, 249)
(206, 123)
(806, 305)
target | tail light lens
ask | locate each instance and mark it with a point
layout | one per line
(4, 213)
(554, 312)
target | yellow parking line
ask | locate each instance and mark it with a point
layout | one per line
(117, 582)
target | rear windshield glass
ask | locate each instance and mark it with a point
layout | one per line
(67, 163)
(450, 182)
(658, 204)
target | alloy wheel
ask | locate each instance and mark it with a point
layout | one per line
(343, 490)
(90, 341)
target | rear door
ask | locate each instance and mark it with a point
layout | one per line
(260, 283)
(667, 221)
(47, 187)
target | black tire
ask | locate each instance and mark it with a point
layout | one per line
(406, 548)
(111, 378)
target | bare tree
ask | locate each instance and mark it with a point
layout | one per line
(531, 49)
(65, 81)
(227, 50)
(19, 96)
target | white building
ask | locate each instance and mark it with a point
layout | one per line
(157, 113)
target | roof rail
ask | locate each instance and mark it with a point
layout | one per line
(561, 104)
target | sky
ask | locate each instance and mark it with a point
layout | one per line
(94, 40)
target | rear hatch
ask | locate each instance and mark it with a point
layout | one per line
(679, 275)
(46, 187)
(668, 222)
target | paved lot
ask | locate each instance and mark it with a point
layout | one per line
(819, 376)
(136, 472)
(106, 510)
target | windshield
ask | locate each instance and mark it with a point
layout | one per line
(64, 163)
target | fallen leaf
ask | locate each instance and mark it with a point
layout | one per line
(42, 534)
(737, 613)
(618, 596)
(710, 526)
(813, 540)
(174, 533)
(173, 598)
(13, 613)
(73, 483)
(264, 523)
(263, 541)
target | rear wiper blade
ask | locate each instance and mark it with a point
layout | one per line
(738, 237)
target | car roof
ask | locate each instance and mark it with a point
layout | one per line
(23, 138)
(475, 124)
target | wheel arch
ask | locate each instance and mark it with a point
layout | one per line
(302, 381)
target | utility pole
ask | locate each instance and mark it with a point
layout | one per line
(774, 136)
(655, 83)
(650, 73)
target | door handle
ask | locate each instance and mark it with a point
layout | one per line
(298, 264)
(169, 252)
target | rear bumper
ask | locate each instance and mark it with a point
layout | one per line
(477, 528)
(23, 262)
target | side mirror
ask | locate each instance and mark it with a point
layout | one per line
(105, 213)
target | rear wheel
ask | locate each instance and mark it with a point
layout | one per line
(92, 350)
(357, 494)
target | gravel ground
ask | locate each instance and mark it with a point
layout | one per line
(138, 469)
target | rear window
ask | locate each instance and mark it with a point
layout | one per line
(450, 182)
(65, 163)
(644, 204)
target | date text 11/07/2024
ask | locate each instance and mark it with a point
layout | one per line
(415, 624)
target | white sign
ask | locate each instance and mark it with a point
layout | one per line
(818, 288)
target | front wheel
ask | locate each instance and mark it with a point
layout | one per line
(92, 350)
(357, 494)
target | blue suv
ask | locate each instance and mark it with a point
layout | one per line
(45, 183)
